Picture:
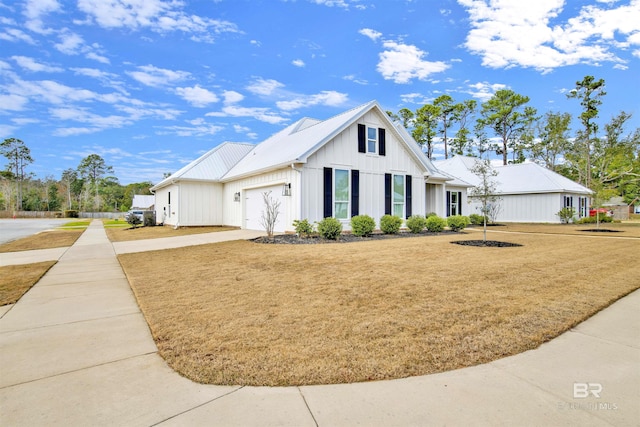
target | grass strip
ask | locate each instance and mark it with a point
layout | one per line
(16, 280)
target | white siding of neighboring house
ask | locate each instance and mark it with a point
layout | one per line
(539, 208)
(342, 153)
(234, 213)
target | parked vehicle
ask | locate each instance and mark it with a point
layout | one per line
(601, 211)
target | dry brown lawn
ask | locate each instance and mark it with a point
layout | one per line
(44, 240)
(252, 314)
(141, 233)
(628, 229)
(15, 280)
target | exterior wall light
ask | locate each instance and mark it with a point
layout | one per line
(286, 189)
(236, 197)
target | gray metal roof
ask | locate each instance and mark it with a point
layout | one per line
(211, 166)
(521, 178)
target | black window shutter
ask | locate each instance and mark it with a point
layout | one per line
(328, 192)
(355, 192)
(448, 203)
(362, 139)
(459, 202)
(382, 142)
(387, 194)
(407, 195)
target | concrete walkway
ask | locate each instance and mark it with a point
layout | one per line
(76, 351)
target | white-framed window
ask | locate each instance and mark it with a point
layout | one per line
(454, 203)
(341, 194)
(398, 195)
(372, 140)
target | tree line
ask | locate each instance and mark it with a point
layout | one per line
(606, 162)
(90, 187)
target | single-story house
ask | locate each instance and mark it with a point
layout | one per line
(527, 192)
(357, 162)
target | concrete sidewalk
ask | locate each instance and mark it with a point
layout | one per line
(76, 351)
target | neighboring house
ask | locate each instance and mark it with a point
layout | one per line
(144, 203)
(354, 163)
(528, 192)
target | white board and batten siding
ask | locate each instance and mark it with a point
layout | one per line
(247, 211)
(342, 153)
(192, 204)
(539, 208)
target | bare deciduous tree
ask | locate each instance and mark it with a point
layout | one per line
(270, 213)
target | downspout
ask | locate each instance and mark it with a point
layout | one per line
(299, 187)
(175, 227)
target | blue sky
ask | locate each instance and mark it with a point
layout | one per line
(150, 85)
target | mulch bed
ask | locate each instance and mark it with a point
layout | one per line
(293, 239)
(487, 243)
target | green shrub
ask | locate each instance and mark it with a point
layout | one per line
(71, 213)
(133, 219)
(416, 223)
(362, 225)
(390, 224)
(592, 219)
(303, 227)
(566, 215)
(330, 228)
(476, 219)
(430, 214)
(457, 222)
(435, 224)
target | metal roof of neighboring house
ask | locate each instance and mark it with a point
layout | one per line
(211, 166)
(142, 201)
(521, 178)
(297, 142)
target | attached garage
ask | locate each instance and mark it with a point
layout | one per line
(255, 207)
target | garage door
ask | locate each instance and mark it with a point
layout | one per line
(254, 207)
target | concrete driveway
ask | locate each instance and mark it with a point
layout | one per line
(13, 229)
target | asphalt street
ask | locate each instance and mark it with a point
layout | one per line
(13, 229)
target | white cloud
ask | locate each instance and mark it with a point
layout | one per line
(402, 63)
(197, 96)
(13, 102)
(298, 63)
(264, 87)
(232, 97)
(258, 113)
(372, 34)
(327, 98)
(498, 30)
(153, 76)
(332, 3)
(157, 15)
(70, 43)
(484, 90)
(15, 35)
(35, 9)
(415, 98)
(73, 44)
(7, 131)
(353, 78)
(200, 129)
(31, 65)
